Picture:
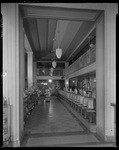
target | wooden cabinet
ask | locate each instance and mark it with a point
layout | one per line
(6, 126)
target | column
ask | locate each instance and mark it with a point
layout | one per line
(30, 68)
(106, 72)
(11, 65)
(110, 68)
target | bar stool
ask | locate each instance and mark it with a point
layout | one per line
(80, 103)
(75, 102)
(91, 111)
(84, 107)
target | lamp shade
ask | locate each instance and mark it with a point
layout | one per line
(58, 52)
(54, 64)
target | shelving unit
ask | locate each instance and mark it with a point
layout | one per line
(30, 102)
(6, 126)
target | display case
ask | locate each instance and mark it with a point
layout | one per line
(6, 126)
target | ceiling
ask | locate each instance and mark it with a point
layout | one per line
(41, 26)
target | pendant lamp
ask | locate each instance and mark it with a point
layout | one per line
(54, 64)
(58, 50)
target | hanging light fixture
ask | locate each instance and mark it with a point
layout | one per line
(58, 50)
(54, 64)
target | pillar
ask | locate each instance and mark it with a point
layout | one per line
(30, 68)
(106, 72)
(110, 68)
(11, 65)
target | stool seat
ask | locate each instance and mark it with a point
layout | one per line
(90, 110)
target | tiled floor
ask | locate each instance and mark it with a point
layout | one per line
(51, 124)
